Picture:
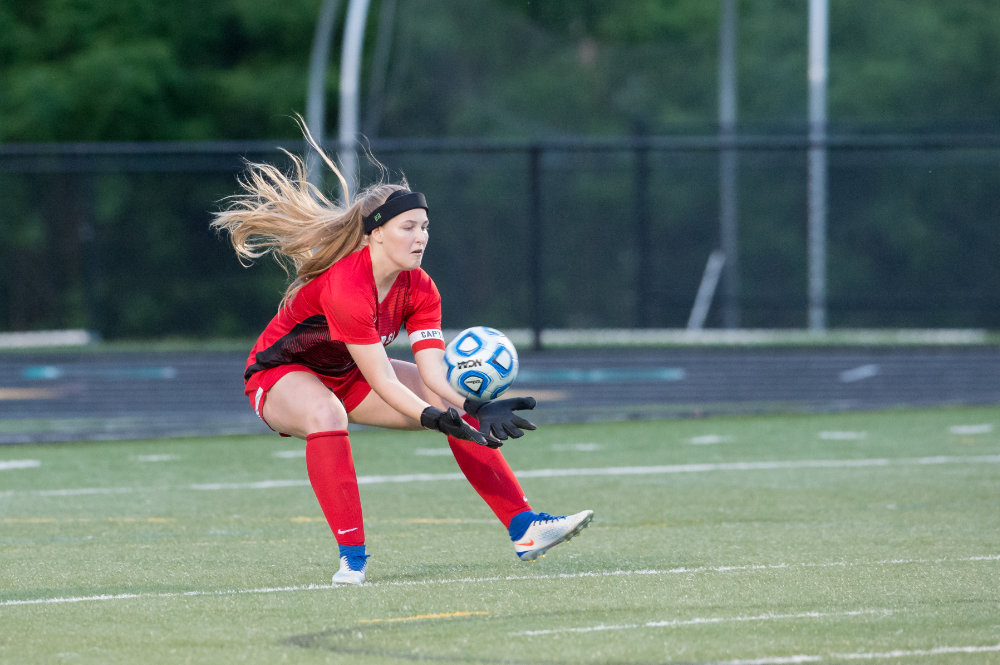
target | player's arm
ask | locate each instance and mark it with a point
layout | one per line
(432, 368)
(377, 370)
(496, 417)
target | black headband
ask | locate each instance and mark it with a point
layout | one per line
(398, 202)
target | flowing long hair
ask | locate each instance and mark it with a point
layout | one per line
(288, 217)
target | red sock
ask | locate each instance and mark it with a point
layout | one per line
(490, 475)
(331, 473)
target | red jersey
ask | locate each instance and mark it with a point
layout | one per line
(341, 307)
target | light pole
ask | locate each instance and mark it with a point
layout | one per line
(350, 86)
(316, 91)
(819, 13)
(350, 89)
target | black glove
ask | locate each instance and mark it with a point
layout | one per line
(452, 424)
(497, 417)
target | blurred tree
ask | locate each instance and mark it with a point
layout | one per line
(915, 64)
(236, 69)
(79, 70)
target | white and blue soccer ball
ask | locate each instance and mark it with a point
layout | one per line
(482, 363)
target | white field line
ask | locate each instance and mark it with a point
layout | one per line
(759, 466)
(970, 430)
(510, 578)
(843, 436)
(709, 439)
(290, 454)
(699, 621)
(577, 447)
(433, 452)
(8, 465)
(875, 655)
(80, 491)
(552, 473)
(161, 457)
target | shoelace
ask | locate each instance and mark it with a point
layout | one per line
(357, 562)
(545, 517)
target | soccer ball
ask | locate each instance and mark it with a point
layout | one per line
(482, 363)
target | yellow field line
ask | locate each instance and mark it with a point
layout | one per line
(27, 393)
(422, 617)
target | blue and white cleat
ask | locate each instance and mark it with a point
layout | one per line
(534, 534)
(353, 570)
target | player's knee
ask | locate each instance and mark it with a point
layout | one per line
(325, 420)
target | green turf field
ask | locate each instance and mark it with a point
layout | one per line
(856, 537)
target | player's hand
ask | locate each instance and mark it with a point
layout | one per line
(450, 423)
(497, 417)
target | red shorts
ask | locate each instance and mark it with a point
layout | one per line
(350, 388)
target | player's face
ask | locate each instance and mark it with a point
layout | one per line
(404, 238)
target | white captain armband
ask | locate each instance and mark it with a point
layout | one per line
(418, 336)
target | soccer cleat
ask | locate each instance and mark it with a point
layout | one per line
(545, 532)
(353, 570)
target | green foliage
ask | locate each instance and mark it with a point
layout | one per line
(90, 70)
(127, 70)
(915, 66)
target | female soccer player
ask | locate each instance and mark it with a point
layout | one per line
(321, 361)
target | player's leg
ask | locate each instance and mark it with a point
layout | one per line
(485, 468)
(533, 534)
(376, 412)
(299, 404)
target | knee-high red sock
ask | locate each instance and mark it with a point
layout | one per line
(488, 472)
(331, 473)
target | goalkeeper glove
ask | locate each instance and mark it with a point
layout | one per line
(497, 417)
(450, 423)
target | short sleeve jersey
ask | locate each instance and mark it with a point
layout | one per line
(341, 307)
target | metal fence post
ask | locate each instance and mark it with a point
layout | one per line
(729, 163)
(643, 236)
(537, 278)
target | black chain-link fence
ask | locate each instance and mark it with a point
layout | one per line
(114, 238)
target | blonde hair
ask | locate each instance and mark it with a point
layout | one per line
(289, 218)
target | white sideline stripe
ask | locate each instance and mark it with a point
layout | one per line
(843, 436)
(577, 447)
(82, 491)
(509, 578)
(179, 594)
(709, 439)
(19, 464)
(757, 466)
(161, 457)
(260, 485)
(432, 452)
(971, 429)
(897, 653)
(559, 473)
(636, 470)
(289, 454)
(676, 623)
